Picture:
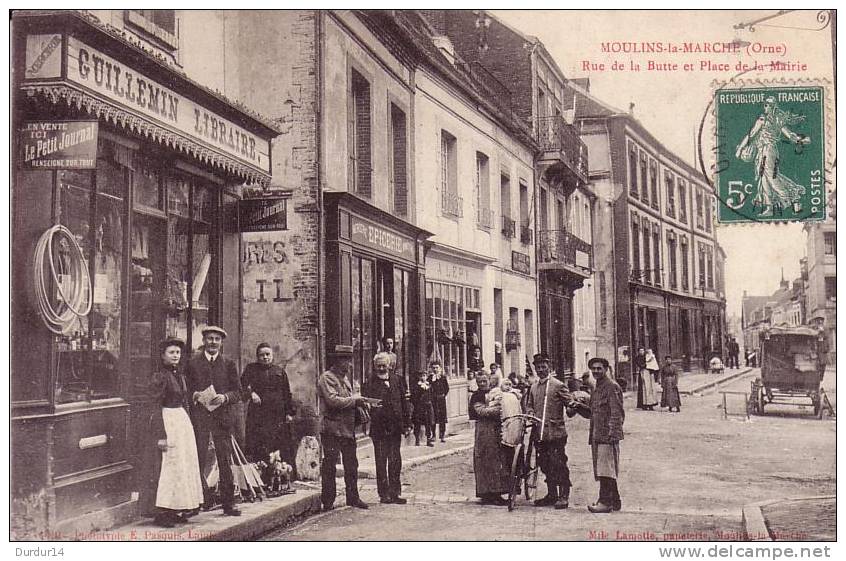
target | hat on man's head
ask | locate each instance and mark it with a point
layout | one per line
(598, 360)
(540, 357)
(171, 342)
(341, 350)
(214, 329)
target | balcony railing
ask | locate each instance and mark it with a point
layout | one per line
(556, 135)
(452, 205)
(526, 234)
(560, 247)
(485, 218)
(509, 227)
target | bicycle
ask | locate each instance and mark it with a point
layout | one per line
(524, 468)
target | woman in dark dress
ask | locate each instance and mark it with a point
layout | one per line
(491, 460)
(179, 491)
(440, 389)
(270, 410)
(639, 365)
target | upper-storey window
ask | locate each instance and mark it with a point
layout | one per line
(671, 194)
(708, 217)
(359, 135)
(161, 25)
(653, 183)
(644, 180)
(398, 139)
(700, 214)
(682, 201)
(830, 239)
(633, 190)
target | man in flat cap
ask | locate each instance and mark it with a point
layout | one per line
(337, 426)
(548, 399)
(216, 419)
(606, 432)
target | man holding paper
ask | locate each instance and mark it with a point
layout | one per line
(216, 387)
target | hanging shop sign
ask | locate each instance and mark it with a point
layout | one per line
(137, 93)
(377, 237)
(50, 145)
(263, 214)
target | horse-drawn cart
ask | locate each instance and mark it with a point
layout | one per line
(792, 368)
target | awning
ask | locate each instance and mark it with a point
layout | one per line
(63, 93)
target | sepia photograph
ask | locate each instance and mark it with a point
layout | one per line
(423, 275)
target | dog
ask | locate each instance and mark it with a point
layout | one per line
(277, 475)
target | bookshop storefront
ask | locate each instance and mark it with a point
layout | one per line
(124, 203)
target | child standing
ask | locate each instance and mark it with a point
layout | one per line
(421, 399)
(440, 389)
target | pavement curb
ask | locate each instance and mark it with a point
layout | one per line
(411, 462)
(754, 523)
(715, 383)
(253, 527)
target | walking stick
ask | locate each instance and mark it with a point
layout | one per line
(543, 416)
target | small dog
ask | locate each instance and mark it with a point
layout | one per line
(277, 475)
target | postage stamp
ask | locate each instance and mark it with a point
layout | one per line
(772, 143)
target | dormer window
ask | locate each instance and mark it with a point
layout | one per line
(158, 25)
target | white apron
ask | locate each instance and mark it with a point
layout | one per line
(179, 480)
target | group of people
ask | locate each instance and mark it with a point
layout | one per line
(648, 374)
(388, 407)
(196, 405)
(496, 402)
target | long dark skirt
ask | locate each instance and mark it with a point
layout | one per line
(491, 460)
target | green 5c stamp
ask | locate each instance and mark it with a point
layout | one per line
(771, 163)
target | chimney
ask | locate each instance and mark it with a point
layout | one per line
(631, 108)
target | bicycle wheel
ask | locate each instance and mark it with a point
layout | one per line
(516, 476)
(530, 471)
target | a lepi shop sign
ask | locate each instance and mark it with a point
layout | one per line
(59, 144)
(102, 74)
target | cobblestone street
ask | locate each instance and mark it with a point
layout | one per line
(684, 476)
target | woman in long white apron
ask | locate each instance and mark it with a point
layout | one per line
(179, 490)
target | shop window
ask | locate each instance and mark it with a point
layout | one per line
(363, 323)
(88, 354)
(359, 135)
(452, 325)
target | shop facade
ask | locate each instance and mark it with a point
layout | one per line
(142, 169)
(375, 283)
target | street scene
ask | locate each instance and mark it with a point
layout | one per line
(427, 275)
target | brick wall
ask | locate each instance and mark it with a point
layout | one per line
(277, 76)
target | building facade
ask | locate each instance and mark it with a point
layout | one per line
(658, 265)
(134, 170)
(532, 84)
(821, 265)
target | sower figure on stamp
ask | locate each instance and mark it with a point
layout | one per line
(210, 369)
(548, 399)
(775, 190)
(337, 427)
(390, 419)
(606, 432)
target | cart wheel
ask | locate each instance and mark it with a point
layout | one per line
(530, 468)
(759, 404)
(516, 476)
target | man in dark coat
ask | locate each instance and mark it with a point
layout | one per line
(389, 420)
(548, 399)
(268, 392)
(210, 368)
(337, 427)
(606, 432)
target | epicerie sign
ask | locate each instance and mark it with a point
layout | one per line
(59, 145)
(117, 82)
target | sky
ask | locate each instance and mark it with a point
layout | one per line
(671, 103)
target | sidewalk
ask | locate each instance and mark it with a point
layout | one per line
(690, 384)
(777, 520)
(261, 517)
